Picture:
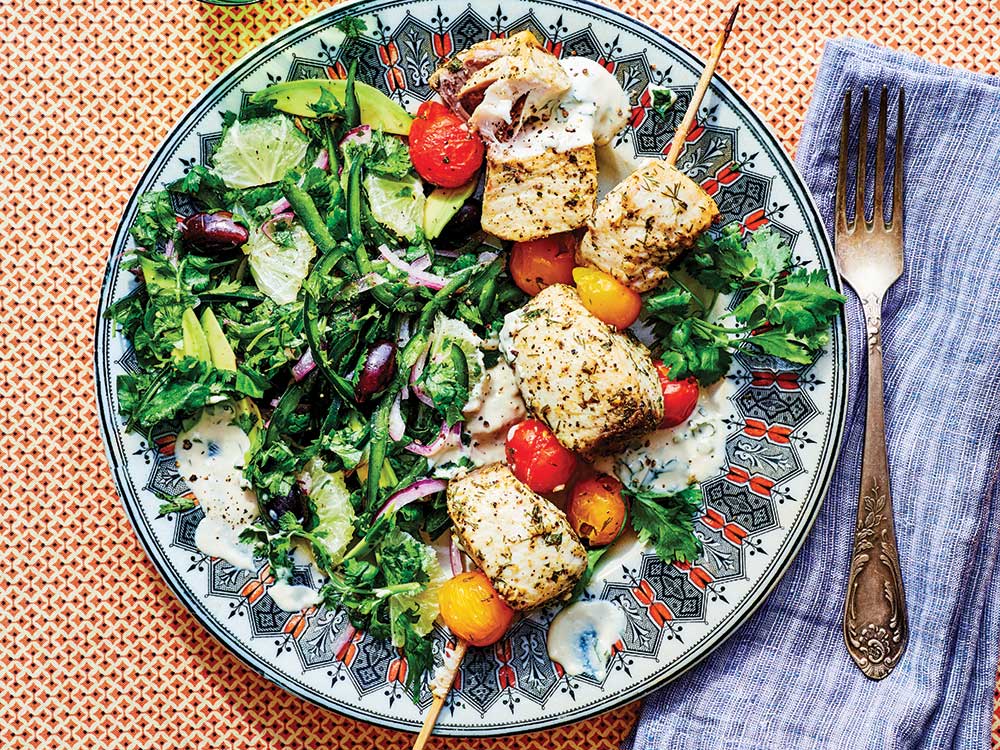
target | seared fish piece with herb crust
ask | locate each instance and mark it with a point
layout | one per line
(528, 196)
(522, 542)
(594, 387)
(540, 119)
(645, 223)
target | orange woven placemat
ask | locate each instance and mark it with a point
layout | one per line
(94, 650)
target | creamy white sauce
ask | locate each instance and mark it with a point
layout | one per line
(486, 423)
(210, 456)
(581, 636)
(500, 408)
(669, 460)
(217, 538)
(592, 112)
(613, 166)
(291, 597)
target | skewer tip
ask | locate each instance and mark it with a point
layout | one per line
(732, 18)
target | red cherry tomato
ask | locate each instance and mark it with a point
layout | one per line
(443, 150)
(536, 264)
(537, 458)
(679, 397)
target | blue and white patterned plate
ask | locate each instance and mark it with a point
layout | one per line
(784, 424)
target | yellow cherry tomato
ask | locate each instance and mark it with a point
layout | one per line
(596, 510)
(473, 610)
(536, 264)
(606, 297)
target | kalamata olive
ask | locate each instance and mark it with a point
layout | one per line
(216, 232)
(294, 502)
(460, 228)
(379, 367)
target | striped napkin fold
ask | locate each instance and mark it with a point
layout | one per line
(785, 679)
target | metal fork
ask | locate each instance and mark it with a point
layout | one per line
(870, 259)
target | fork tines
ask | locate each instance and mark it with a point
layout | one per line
(894, 222)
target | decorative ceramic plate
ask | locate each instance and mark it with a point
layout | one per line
(784, 423)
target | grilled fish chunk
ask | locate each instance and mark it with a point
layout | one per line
(522, 542)
(594, 387)
(518, 61)
(538, 195)
(645, 223)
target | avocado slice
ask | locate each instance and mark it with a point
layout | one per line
(194, 344)
(442, 204)
(299, 98)
(222, 354)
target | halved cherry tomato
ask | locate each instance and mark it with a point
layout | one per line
(442, 148)
(537, 458)
(473, 610)
(536, 264)
(596, 510)
(679, 397)
(606, 297)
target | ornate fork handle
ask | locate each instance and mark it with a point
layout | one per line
(875, 622)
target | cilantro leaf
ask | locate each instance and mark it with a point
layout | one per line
(667, 522)
(155, 220)
(770, 253)
(663, 100)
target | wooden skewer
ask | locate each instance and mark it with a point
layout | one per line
(699, 93)
(675, 149)
(431, 719)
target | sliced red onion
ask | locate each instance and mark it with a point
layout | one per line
(418, 368)
(447, 437)
(304, 366)
(360, 135)
(422, 263)
(281, 206)
(268, 226)
(415, 276)
(487, 256)
(341, 641)
(416, 491)
(322, 160)
(396, 424)
(446, 253)
(168, 249)
(457, 564)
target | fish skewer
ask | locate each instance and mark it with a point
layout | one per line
(678, 142)
(699, 92)
(439, 698)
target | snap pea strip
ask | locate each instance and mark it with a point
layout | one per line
(378, 447)
(310, 325)
(308, 215)
(352, 110)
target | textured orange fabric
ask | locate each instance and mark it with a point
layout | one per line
(94, 650)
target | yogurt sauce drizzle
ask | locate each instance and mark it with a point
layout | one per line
(581, 636)
(210, 456)
(669, 460)
(291, 597)
(592, 112)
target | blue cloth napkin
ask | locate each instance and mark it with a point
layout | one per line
(785, 680)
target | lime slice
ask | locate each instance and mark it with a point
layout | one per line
(331, 502)
(259, 152)
(397, 204)
(424, 604)
(279, 268)
(448, 331)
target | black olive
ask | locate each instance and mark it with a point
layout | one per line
(294, 502)
(466, 222)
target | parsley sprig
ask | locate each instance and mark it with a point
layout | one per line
(784, 311)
